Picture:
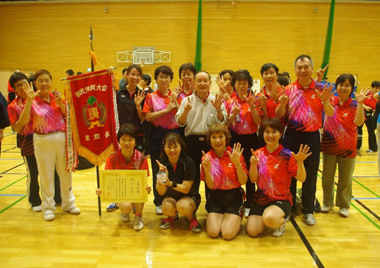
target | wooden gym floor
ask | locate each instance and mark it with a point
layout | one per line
(88, 240)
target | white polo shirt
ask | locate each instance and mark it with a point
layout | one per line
(201, 116)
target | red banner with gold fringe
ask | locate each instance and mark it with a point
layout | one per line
(92, 118)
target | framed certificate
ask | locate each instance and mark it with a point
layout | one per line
(123, 185)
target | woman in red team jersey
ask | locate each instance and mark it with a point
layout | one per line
(272, 168)
(339, 144)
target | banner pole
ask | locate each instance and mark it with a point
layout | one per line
(98, 183)
(92, 48)
(97, 167)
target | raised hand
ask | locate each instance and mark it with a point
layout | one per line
(177, 88)
(283, 100)
(275, 92)
(218, 102)
(225, 94)
(28, 89)
(251, 100)
(302, 153)
(320, 73)
(263, 101)
(175, 92)
(206, 163)
(236, 110)
(139, 98)
(171, 106)
(221, 83)
(362, 96)
(180, 86)
(187, 108)
(58, 98)
(326, 93)
(236, 154)
(254, 159)
(162, 168)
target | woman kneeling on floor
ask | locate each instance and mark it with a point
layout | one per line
(177, 183)
(272, 168)
(224, 171)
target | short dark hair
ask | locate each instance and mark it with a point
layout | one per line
(343, 77)
(124, 70)
(165, 70)
(375, 84)
(242, 75)
(274, 123)
(187, 66)
(172, 138)
(218, 128)
(283, 80)
(201, 71)
(232, 73)
(267, 66)
(147, 79)
(41, 72)
(135, 66)
(70, 72)
(303, 57)
(284, 74)
(127, 129)
(17, 77)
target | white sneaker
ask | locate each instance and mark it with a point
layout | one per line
(74, 210)
(325, 209)
(279, 231)
(246, 212)
(138, 223)
(344, 212)
(37, 208)
(309, 219)
(124, 217)
(159, 210)
(49, 215)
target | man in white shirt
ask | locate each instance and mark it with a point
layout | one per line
(197, 113)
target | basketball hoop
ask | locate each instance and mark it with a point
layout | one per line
(142, 63)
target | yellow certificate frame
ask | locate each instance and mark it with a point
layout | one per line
(124, 185)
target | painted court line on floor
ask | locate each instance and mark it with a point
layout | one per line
(12, 183)
(9, 149)
(314, 255)
(361, 212)
(365, 198)
(11, 205)
(12, 168)
(365, 188)
(363, 206)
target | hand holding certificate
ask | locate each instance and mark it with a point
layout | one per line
(124, 186)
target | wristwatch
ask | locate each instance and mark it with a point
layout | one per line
(173, 184)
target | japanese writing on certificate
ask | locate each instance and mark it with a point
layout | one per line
(124, 185)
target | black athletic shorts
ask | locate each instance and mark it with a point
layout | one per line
(226, 201)
(258, 210)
